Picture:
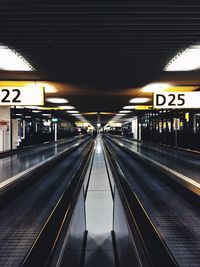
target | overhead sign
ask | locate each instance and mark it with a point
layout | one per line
(82, 124)
(115, 124)
(143, 107)
(22, 96)
(181, 100)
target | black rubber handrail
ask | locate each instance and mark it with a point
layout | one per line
(12, 152)
(44, 247)
(151, 242)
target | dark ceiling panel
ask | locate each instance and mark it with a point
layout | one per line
(99, 44)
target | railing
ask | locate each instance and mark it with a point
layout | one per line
(137, 241)
(62, 237)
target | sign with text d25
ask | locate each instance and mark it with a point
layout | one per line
(181, 100)
(22, 96)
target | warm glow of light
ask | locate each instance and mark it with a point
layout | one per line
(36, 111)
(56, 100)
(73, 112)
(187, 60)
(129, 107)
(57, 108)
(107, 113)
(89, 113)
(47, 88)
(66, 107)
(124, 111)
(31, 107)
(46, 114)
(12, 61)
(139, 100)
(155, 87)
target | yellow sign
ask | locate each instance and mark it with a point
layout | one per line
(143, 107)
(173, 100)
(21, 96)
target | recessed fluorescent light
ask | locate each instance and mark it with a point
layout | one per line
(155, 87)
(12, 61)
(66, 107)
(18, 107)
(18, 114)
(46, 114)
(36, 111)
(129, 107)
(124, 111)
(56, 100)
(73, 111)
(188, 60)
(49, 89)
(139, 100)
(31, 107)
(120, 114)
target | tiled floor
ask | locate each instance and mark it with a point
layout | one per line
(99, 214)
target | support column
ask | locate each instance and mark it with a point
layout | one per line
(15, 130)
(55, 131)
(134, 127)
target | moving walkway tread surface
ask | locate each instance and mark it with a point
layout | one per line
(99, 212)
(176, 219)
(15, 164)
(23, 218)
(184, 162)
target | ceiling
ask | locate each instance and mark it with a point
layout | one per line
(100, 53)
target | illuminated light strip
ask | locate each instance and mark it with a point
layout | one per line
(55, 108)
(186, 61)
(12, 61)
(155, 87)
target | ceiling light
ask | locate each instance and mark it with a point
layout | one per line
(49, 89)
(31, 107)
(56, 100)
(120, 114)
(46, 114)
(155, 87)
(73, 111)
(188, 60)
(124, 111)
(18, 107)
(12, 61)
(36, 111)
(66, 107)
(139, 100)
(129, 107)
